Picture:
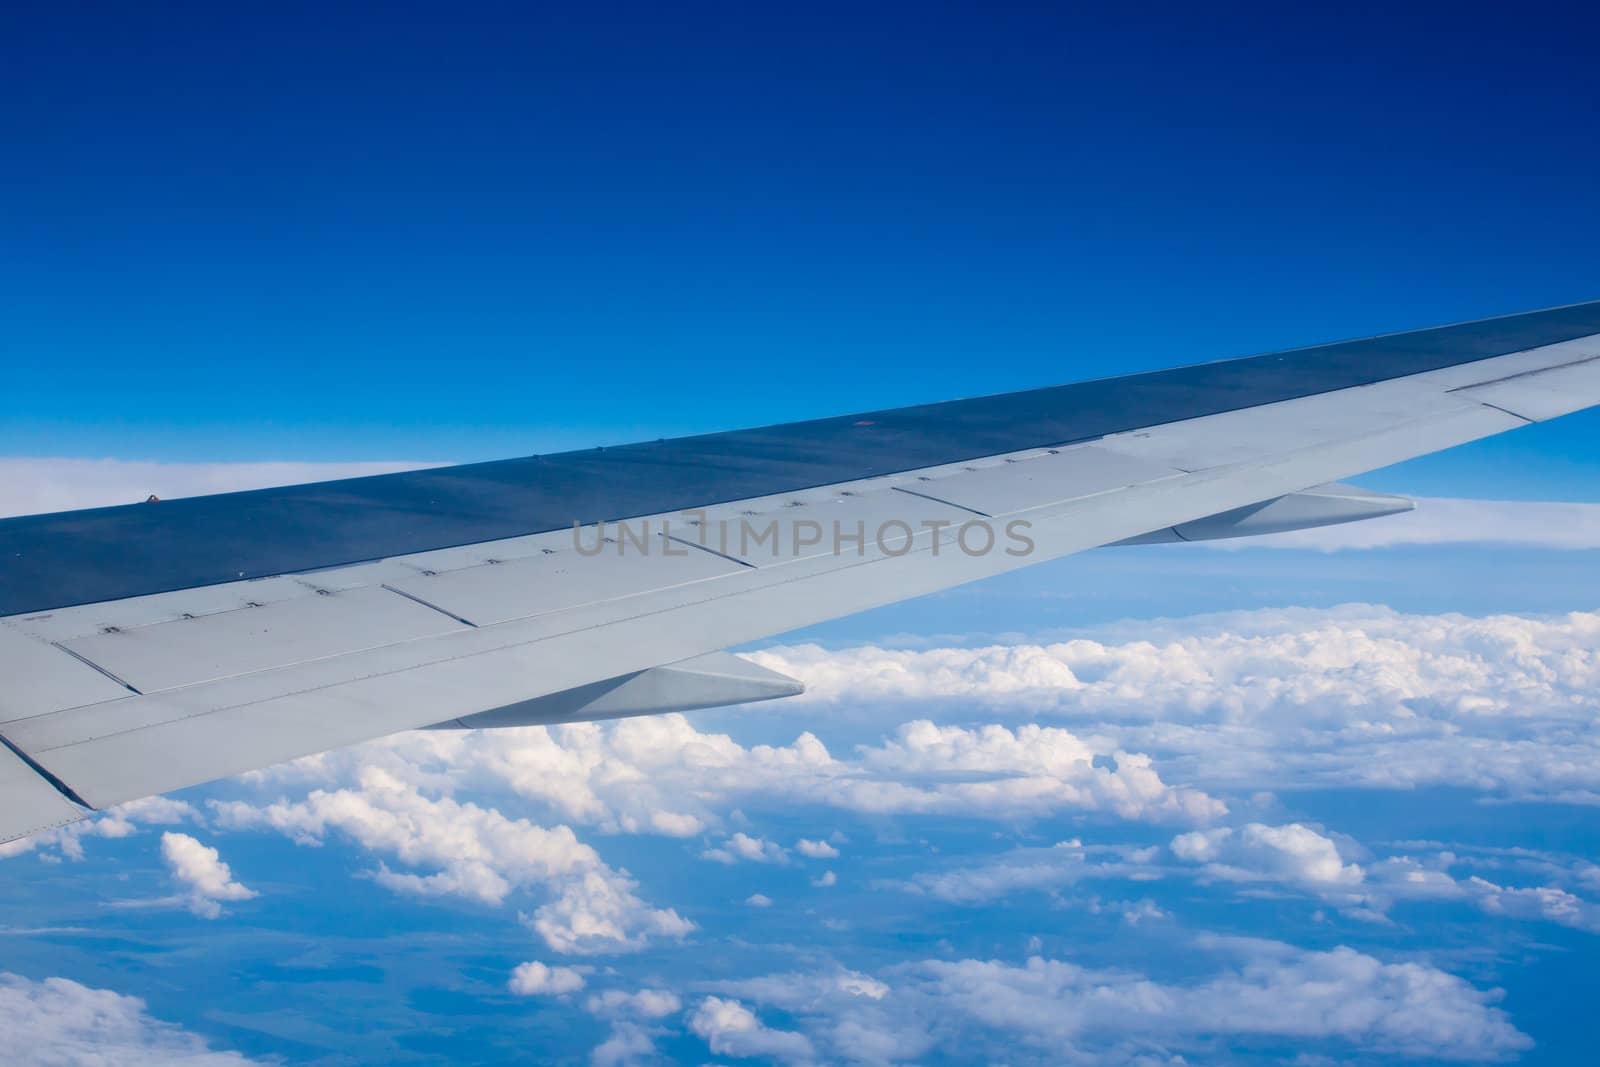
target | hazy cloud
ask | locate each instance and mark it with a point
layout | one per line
(1446, 520)
(33, 486)
(1064, 1012)
(57, 1022)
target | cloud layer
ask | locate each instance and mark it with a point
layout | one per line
(1161, 758)
(60, 1023)
(1354, 696)
(1448, 520)
(33, 486)
(1052, 1011)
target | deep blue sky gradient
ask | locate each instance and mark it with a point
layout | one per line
(335, 232)
(453, 232)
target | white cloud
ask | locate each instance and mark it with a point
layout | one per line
(160, 811)
(460, 849)
(1404, 1008)
(741, 846)
(1133, 912)
(1355, 697)
(1027, 770)
(802, 991)
(1292, 856)
(1255, 852)
(817, 850)
(601, 913)
(628, 1043)
(199, 869)
(826, 880)
(535, 979)
(67, 841)
(60, 1023)
(34, 486)
(1428, 877)
(634, 1019)
(731, 1029)
(758, 900)
(622, 776)
(1020, 870)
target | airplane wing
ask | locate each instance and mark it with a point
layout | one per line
(155, 646)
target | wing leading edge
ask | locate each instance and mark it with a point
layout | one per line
(153, 647)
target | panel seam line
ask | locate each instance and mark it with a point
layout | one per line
(432, 606)
(38, 768)
(87, 662)
(941, 500)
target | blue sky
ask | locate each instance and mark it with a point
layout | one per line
(287, 232)
(1322, 802)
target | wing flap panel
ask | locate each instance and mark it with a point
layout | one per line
(1056, 477)
(64, 624)
(37, 678)
(1543, 394)
(29, 803)
(172, 654)
(492, 593)
(1221, 440)
(866, 522)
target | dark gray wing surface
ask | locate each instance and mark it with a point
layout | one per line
(108, 553)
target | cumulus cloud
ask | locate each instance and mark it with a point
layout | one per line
(817, 850)
(635, 1019)
(731, 1029)
(60, 1023)
(623, 776)
(200, 872)
(535, 979)
(450, 848)
(1294, 853)
(34, 486)
(1357, 696)
(741, 846)
(601, 913)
